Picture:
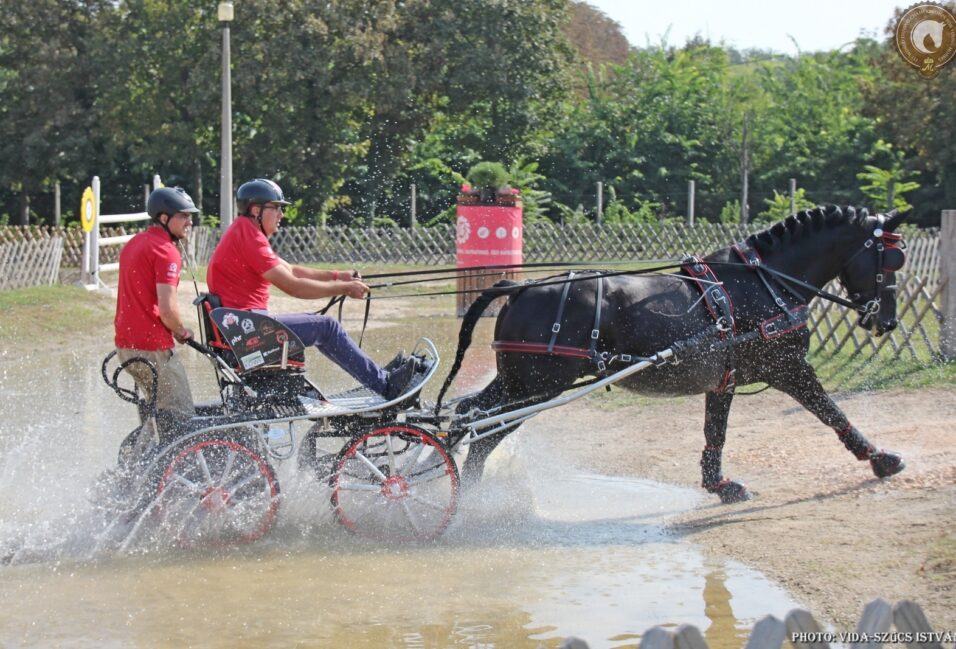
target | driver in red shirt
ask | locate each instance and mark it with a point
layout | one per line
(244, 266)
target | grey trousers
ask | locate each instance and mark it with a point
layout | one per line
(173, 393)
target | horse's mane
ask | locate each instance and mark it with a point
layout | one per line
(805, 223)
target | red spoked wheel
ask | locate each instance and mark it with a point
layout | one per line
(217, 492)
(395, 483)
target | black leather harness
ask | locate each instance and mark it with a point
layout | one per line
(552, 348)
(716, 300)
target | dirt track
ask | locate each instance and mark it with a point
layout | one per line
(820, 523)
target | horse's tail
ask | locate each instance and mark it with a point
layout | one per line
(468, 322)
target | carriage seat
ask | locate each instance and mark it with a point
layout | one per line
(264, 353)
(211, 337)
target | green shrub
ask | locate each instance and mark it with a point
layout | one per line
(488, 174)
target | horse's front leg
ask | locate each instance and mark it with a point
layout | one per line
(802, 384)
(715, 433)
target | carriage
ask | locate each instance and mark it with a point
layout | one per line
(212, 480)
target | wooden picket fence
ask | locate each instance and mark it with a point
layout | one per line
(30, 262)
(834, 331)
(904, 624)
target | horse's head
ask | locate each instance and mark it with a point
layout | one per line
(869, 275)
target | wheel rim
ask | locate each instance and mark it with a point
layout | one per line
(395, 483)
(217, 492)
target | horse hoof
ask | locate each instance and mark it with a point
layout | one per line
(886, 464)
(730, 491)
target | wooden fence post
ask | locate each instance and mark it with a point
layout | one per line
(690, 202)
(947, 272)
(600, 202)
(413, 219)
(57, 213)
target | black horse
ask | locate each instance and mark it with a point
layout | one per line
(735, 317)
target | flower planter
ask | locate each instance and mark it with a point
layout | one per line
(486, 235)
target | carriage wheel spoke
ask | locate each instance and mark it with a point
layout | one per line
(242, 483)
(371, 465)
(411, 519)
(427, 503)
(412, 459)
(356, 486)
(201, 459)
(226, 470)
(431, 474)
(186, 482)
(391, 454)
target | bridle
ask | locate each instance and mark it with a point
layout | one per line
(890, 257)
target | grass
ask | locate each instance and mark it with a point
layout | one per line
(57, 314)
(940, 562)
(914, 367)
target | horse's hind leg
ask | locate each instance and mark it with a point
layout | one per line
(715, 433)
(478, 452)
(492, 395)
(802, 384)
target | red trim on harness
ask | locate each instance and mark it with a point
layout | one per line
(743, 256)
(540, 348)
(726, 381)
(708, 273)
(769, 332)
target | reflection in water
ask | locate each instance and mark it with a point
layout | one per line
(717, 609)
(541, 552)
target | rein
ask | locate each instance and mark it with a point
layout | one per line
(870, 309)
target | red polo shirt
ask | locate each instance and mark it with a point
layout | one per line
(237, 265)
(148, 259)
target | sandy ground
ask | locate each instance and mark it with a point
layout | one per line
(820, 523)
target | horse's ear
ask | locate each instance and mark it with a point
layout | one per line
(895, 218)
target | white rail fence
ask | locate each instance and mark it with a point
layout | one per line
(92, 242)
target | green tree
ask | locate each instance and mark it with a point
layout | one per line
(918, 116)
(879, 183)
(49, 88)
(808, 123)
(160, 94)
(505, 63)
(779, 208)
(662, 119)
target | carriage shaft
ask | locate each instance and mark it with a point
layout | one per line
(513, 416)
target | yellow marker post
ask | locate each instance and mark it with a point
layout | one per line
(88, 210)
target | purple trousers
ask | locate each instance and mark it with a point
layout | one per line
(328, 336)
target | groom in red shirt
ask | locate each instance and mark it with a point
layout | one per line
(147, 318)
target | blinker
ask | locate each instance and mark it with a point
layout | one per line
(893, 258)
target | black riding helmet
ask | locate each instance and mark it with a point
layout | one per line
(258, 192)
(169, 200)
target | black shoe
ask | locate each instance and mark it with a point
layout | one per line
(395, 363)
(398, 380)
